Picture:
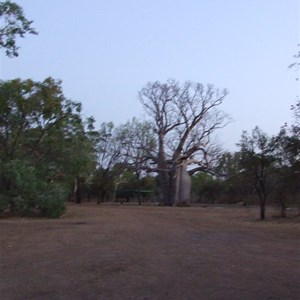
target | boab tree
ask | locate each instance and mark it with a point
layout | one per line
(184, 119)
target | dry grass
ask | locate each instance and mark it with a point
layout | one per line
(131, 252)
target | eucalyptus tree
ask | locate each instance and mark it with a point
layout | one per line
(184, 119)
(121, 150)
(13, 24)
(288, 160)
(257, 160)
(139, 147)
(285, 162)
(236, 181)
(109, 152)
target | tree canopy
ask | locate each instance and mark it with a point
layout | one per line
(43, 143)
(13, 24)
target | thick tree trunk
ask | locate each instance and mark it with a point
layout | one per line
(165, 188)
(163, 175)
(182, 185)
(185, 186)
(174, 182)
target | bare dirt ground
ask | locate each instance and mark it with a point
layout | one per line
(130, 252)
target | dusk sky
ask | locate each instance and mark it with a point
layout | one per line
(106, 51)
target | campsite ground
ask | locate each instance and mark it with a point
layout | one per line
(150, 252)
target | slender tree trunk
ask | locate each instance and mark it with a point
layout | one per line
(78, 190)
(282, 202)
(12, 206)
(7, 185)
(139, 196)
(283, 211)
(263, 200)
(262, 210)
(262, 193)
(12, 202)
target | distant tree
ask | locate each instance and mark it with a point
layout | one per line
(148, 182)
(206, 188)
(184, 119)
(124, 180)
(139, 147)
(109, 149)
(82, 150)
(283, 169)
(257, 159)
(13, 24)
(287, 154)
(236, 182)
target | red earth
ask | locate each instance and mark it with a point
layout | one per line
(151, 252)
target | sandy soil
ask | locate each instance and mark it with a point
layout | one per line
(130, 252)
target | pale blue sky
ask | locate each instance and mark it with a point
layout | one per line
(106, 51)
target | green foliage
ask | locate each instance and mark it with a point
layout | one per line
(182, 204)
(287, 167)
(28, 194)
(257, 160)
(13, 24)
(236, 180)
(4, 202)
(139, 143)
(206, 189)
(148, 183)
(51, 202)
(122, 157)
(43, 146)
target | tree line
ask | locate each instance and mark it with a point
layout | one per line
(50, 153)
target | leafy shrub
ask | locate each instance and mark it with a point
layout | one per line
(51, 203)
(182, 204)
(4, 201)
(29, 193)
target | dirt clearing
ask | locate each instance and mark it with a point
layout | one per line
(130, 252)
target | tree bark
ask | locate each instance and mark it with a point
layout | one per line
(262, 210)
(78, 190)
(262, 201)
(182, 185)
(163, 175)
